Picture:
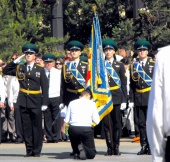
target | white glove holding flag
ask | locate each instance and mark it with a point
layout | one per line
(61, 106)
(131, 105)
(123, 106)
(19, 59)
(44, 107)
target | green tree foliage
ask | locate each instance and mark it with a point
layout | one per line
(154, 23)
(78, 17)
(25, 21)
(123, 29)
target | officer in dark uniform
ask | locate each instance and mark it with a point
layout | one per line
(117, 82)
(141, 79)
(74, 73)
(33, 96)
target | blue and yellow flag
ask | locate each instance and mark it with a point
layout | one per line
(97, 78)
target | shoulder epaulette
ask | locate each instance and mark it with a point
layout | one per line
(39, 65)
(84, 62)
(151, 60)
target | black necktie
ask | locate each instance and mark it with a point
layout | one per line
(49, 75)
(143, 65)
(29, 68)
(75, 64)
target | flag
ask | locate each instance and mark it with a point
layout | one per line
(97, 79)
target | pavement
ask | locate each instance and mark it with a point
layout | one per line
(51, 152)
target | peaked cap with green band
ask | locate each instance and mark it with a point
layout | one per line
(74, 44)
(83, 58)
(60, 56)
(30, 47)
(84, 54)
(142, 44)
(109, 43)
(49, 57)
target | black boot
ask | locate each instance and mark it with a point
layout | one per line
(143, 150)
(116, 141)
(148, 150)
(109, 144)
(116, 150)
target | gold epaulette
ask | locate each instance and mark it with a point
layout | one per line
(151, 60)
(39, 65)
(84, 62)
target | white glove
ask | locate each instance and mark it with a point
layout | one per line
(18, 60)
(131, 105)
(44, 107)
(61, 106)
(123, 106)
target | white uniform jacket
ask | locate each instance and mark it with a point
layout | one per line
(158, 117)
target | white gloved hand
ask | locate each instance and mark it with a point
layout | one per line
(61, 106)
(131, 105)
(44, 107)
(19, 59)
(123, 106)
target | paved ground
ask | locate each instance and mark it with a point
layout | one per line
(60, 151)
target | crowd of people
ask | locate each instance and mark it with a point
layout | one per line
(41, 94)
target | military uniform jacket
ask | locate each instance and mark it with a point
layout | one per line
(70, 82)
(33, 81)
(141, 99)
(119, 95)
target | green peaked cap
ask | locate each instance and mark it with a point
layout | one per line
(109, 43)
(49, 57)
(60, 56)
(74, 44)
(30, 47)
(142, 44)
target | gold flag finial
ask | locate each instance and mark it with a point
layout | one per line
(94, 8)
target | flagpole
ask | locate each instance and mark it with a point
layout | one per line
(108, 115)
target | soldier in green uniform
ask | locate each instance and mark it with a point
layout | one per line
(117, 82)
(141, 79)
(74, 73)
(33, 96)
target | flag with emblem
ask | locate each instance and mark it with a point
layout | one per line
(97, 76)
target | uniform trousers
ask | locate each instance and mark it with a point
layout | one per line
(84, 135)
(18, 123)
(32, 129)
(115, 124)
(52, 131)
(142, 114)
(136, 121)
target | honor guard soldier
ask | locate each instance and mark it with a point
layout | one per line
(74, 73)
(141, 79)
(117, 82)
(33, 95)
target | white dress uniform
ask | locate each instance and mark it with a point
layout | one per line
(80, 115)
(158, 116)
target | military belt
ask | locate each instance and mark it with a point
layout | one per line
(114, 88)
(75, 91)
(143, 90)
(30, 91)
